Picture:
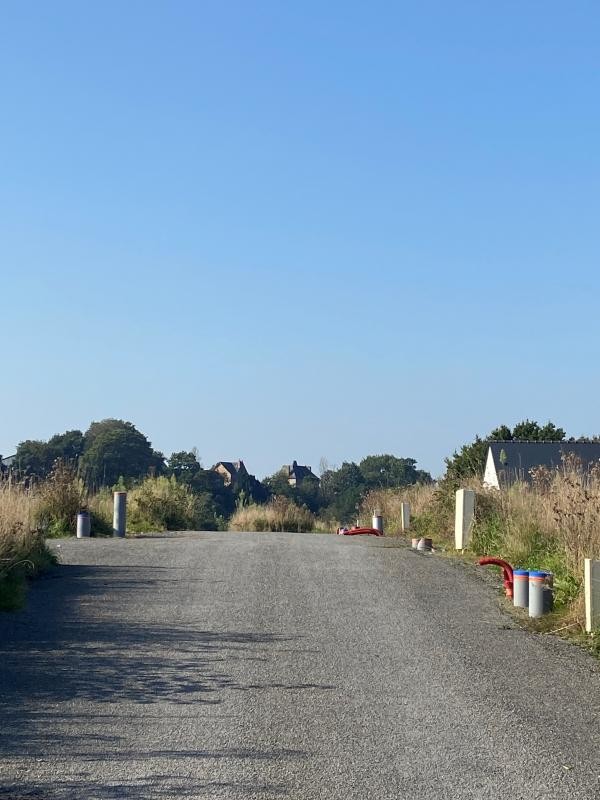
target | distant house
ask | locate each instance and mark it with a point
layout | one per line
(296, 473)
(231, 471)
(508, 462)
(6, 464)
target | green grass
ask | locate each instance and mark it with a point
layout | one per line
(14, 577)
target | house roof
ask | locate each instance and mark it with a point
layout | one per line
(519, 458)
(299, 472)
(8, 461)
(233, 467)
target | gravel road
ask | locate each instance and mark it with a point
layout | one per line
(222, 665)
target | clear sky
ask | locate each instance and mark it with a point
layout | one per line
(287, 230)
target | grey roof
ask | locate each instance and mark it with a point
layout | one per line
(232, 467)
(300, 472)
(8, 461)
(522, 457)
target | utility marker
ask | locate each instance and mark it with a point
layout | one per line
(404, 517)
(463, 521)
(592, 594)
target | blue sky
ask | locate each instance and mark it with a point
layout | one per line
(299, 230)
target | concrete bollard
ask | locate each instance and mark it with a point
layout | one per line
(120, 514)
(404, 517)
(521, 588)
(464, 516)
(591, 575)
(537, 594)
(378, 522)
(84, 524)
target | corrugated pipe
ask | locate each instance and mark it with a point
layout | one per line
(507, 571)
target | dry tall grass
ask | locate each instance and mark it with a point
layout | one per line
(280, 514)
(388, 502)
(22, 544)
(552, 523)
(19, 531)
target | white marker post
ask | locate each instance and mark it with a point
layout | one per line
(463, 521)
(592, 594)
(120, 514)
(404, 517)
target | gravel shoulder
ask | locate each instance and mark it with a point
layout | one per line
(227, 665)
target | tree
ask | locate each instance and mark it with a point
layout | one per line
(35, 457)
(531, 431)
(67, 446)
(184, 465)
(386, 471)
(114, 448)
(342, 490)
(469, 461)
(336, 482)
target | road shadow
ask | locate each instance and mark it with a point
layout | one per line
(56, 661)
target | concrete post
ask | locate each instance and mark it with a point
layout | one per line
(404, 517)
(592, 594)
(120, 514)
(463, 521)
(83, 524)
(378, 522)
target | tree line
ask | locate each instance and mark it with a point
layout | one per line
(114, 453)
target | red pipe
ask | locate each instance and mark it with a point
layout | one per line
(507, 571)
(361, 531)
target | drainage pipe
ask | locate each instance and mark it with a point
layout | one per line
(521, 588)
(507, 571)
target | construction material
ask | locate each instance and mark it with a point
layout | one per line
(507, 571)
(378, 523)
(521, 588)
(464, 516)
(83, 525)
(537, 600)
(363, 532)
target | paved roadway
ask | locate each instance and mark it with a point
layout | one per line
(220, 665)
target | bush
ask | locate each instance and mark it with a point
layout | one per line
(23, 551)
(60, 498)
(388, 502)
(280, 514)
(165, 504)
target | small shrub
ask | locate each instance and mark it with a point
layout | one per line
(23, 551)
(280, 514)
(60, 497)
(165, 504)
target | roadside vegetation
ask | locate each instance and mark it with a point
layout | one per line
(23, 550)
(279, 514)
(551, 523)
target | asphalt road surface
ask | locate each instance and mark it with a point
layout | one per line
(223, 665)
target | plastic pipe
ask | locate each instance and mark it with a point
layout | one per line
(378, 523)
(363, 532)
(507, 571)
(83, 524)
(537, 586)
(521, 588)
